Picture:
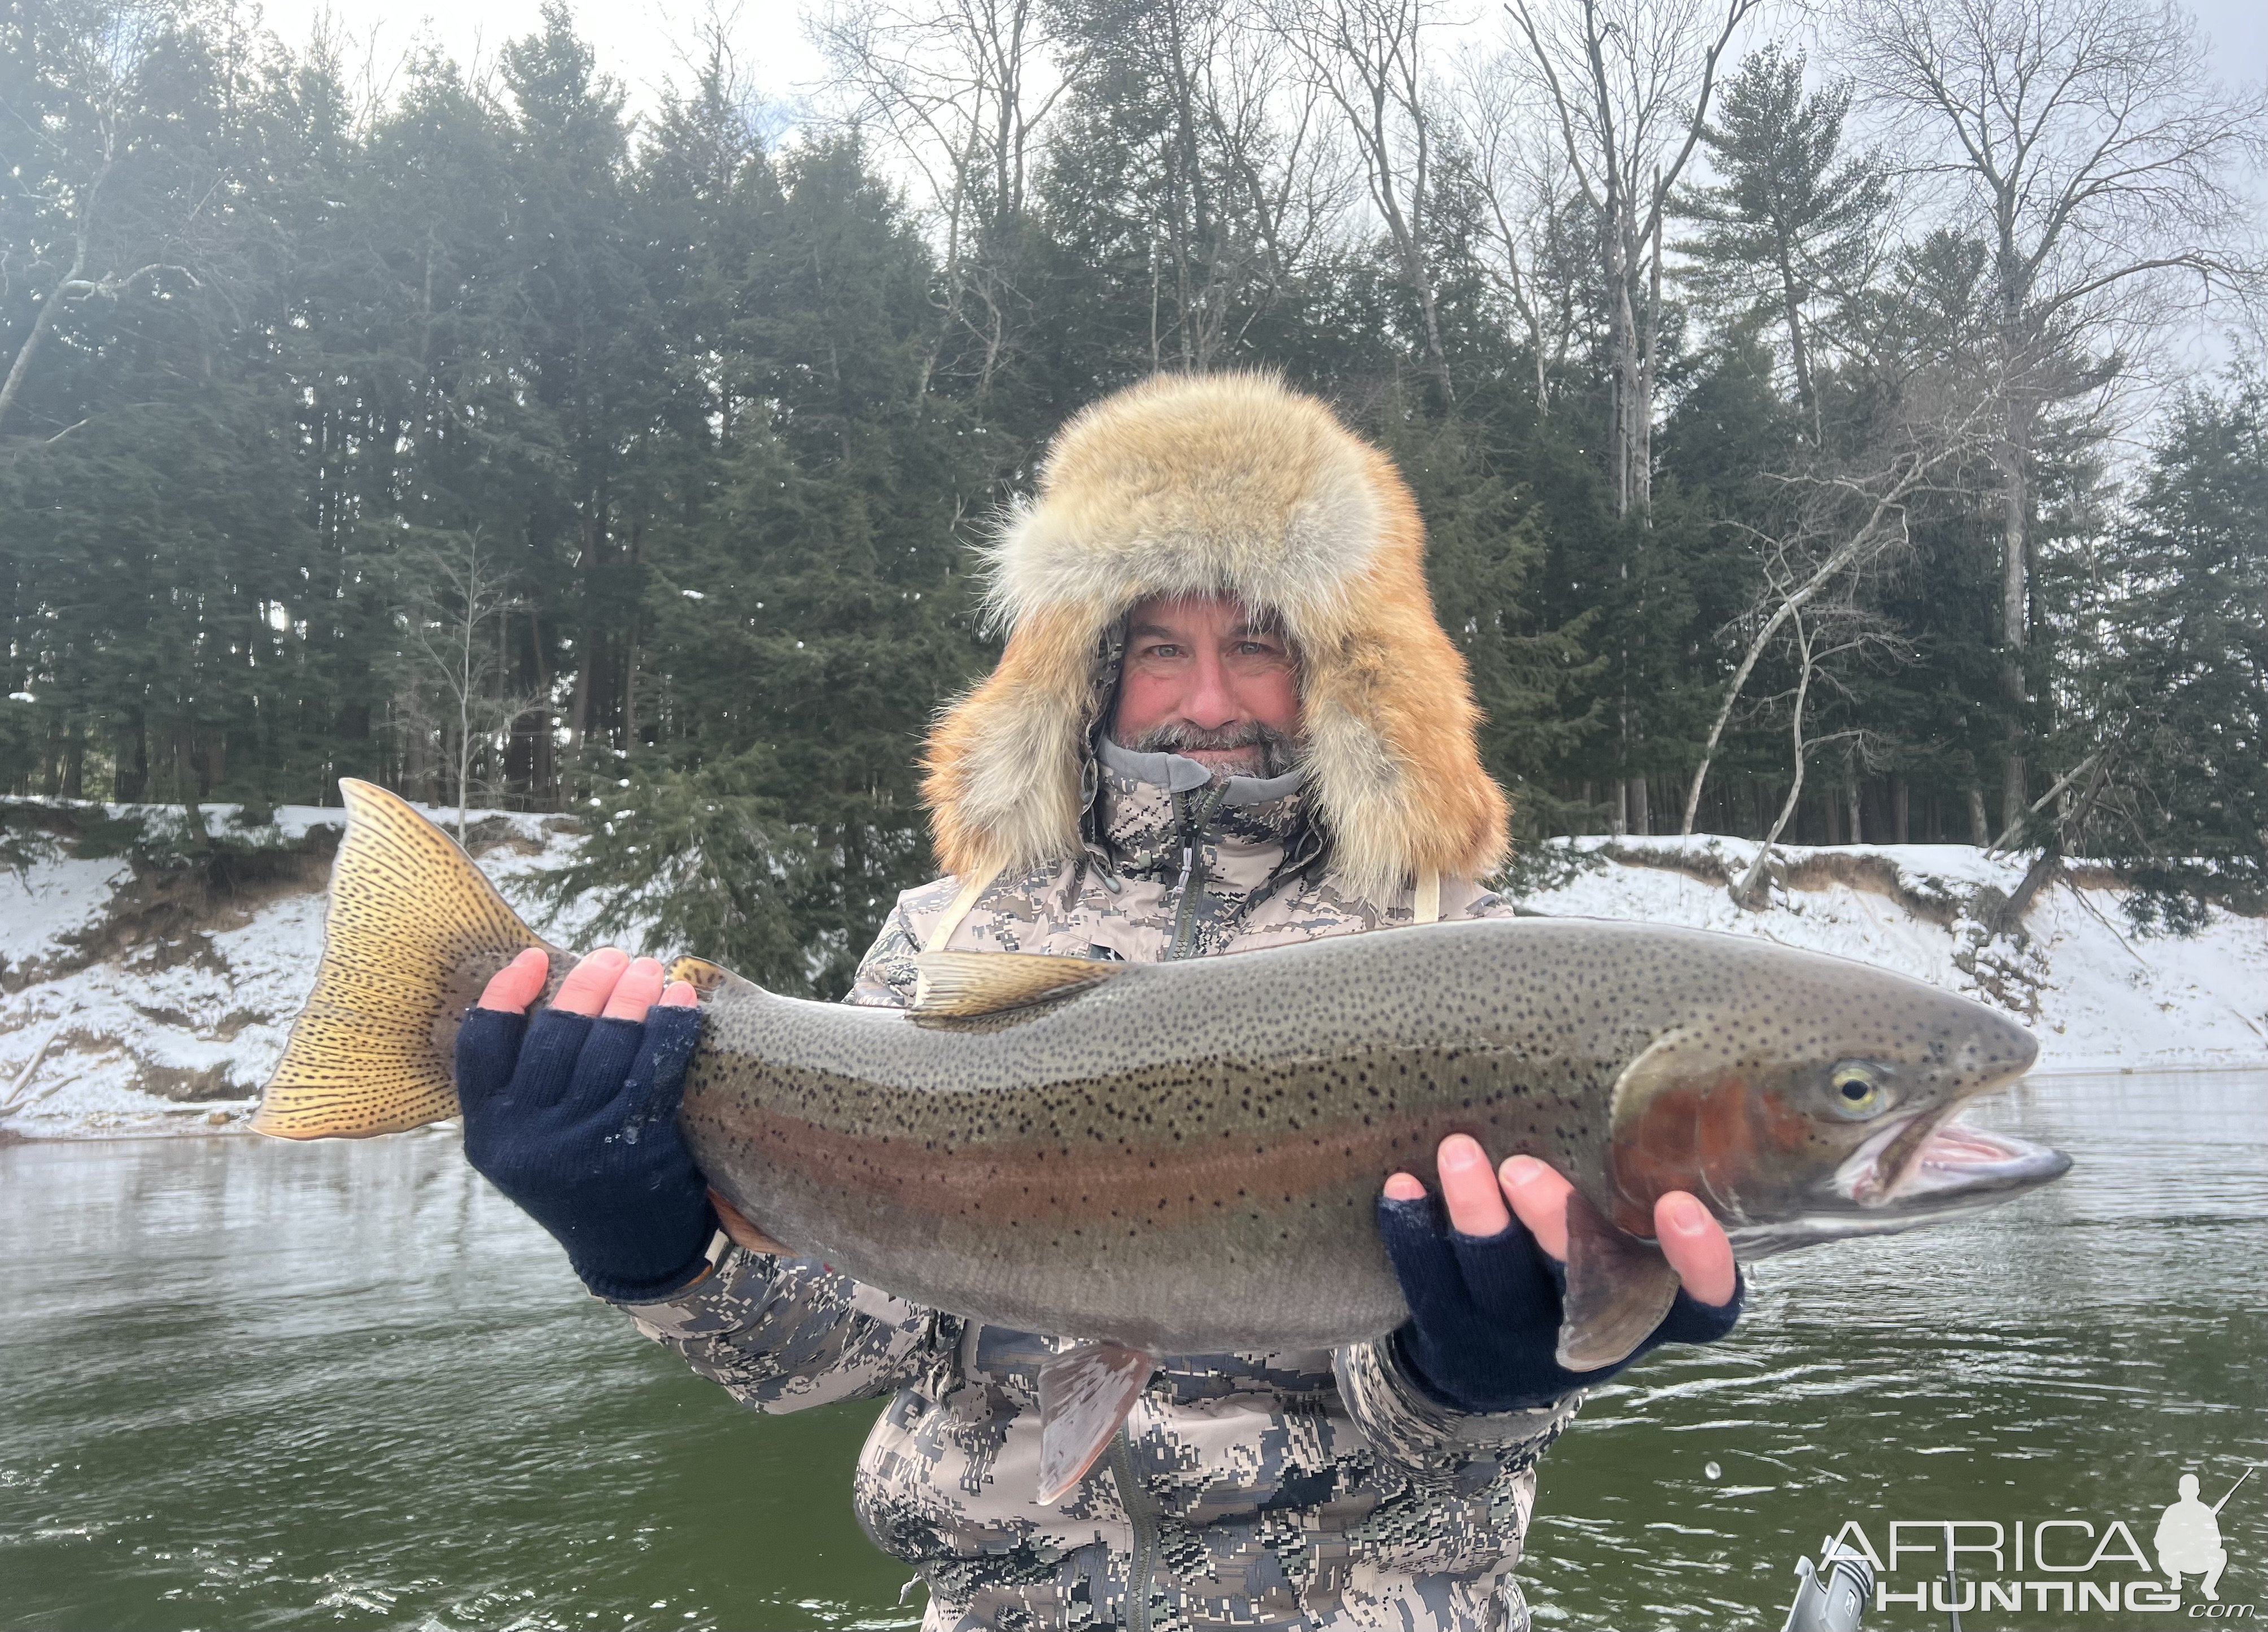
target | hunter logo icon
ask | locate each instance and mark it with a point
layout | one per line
(2188, 1542)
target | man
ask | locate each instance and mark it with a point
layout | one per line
(1226, 719)
(2188, 1541)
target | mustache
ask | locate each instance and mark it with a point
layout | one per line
(1279, 752)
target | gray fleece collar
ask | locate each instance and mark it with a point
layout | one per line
(1179, 773)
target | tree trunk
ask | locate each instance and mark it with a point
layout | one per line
(2013, 632)
(1792, 307)
(46, 319)
(1642, 429)
(581, 705)
(131, 783)
(2046, 866)
(1641, 823)
(1979, 834)
(1901, 809)
(2014, 456)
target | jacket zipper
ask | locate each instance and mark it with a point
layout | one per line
(1187, 888)
(1142, 1515)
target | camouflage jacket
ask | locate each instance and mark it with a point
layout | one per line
(1295, 1489)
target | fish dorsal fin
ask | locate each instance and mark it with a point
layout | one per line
(1618, 1289)
(956, 985)
(1084, 1395)
(702, 975)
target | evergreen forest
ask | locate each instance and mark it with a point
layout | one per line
(1803, 406)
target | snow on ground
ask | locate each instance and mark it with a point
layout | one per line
(2096, 993)
(202, 1020)
(179, 1037)
(59, 897)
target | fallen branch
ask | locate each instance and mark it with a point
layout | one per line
(15, 1100)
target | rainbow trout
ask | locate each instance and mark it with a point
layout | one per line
(1184, 1157)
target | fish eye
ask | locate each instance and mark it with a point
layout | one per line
(1856, 1090)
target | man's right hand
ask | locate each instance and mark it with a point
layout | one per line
(574, 1117)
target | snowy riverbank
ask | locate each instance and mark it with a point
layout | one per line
(157, 1009)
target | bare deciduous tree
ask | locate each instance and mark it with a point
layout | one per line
(1531, 202)
(961, 88)
(454, 645)
(1367, 59)
(1831, 629)
(1237, 179)
(69, 200)
(1846, 525)
(1628, 83)
(2093, 151)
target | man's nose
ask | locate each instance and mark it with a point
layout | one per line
(1211, 701)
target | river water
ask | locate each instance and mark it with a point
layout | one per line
(252, 1385)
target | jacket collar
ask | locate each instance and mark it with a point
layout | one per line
(1148, 808)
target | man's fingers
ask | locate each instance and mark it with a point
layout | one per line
(1470, 1189)
(679, 994)
(1538, 1194)
(1695, 1244)
(517, 984)
(591, 982)
(1404, 1187)
(634, 992)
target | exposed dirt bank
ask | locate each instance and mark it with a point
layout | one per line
(149, 968)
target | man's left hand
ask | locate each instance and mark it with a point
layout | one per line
(1484, 1281)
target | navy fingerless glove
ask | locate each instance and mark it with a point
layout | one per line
(579, 1125)
(1484, 1313)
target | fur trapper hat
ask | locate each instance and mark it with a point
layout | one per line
(1222, 484)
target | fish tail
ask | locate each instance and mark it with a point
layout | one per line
(413, 932)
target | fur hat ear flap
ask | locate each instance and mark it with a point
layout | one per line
(1392, 730)
(1224, 484)
(1003, 765)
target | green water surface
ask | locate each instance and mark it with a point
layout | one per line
(255, 1385)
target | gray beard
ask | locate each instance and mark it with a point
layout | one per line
(1278, 753)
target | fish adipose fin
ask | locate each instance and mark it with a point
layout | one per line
(1084, 1395)
(960, 985)
(415, 929)
(1618, 1289)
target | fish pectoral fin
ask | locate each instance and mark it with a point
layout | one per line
(955, 985)
(1084, 1395)
(1618, 1289)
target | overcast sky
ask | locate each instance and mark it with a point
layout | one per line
(636, 39)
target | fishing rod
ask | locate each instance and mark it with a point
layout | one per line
(2249, 1469)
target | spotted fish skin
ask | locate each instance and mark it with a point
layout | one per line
(1065, 1168)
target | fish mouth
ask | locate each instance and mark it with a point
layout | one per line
(1932, 1167)
(1922, 1169)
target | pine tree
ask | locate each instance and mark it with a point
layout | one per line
(2176, 732)
(1792, 220)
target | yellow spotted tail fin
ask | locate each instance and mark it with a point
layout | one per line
(414, 933)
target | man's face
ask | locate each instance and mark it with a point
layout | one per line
(1206, 679)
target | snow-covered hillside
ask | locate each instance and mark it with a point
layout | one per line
(2097, 994)
(157, 1020)
(149, 1016)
